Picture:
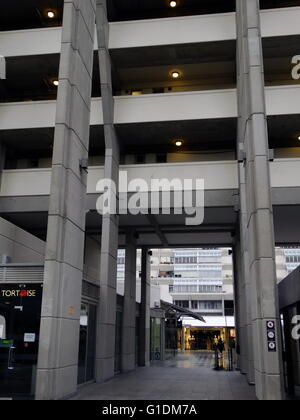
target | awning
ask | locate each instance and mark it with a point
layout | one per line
(182, 311)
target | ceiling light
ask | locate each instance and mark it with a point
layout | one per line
(55, 82)
(51, 14)
(173, 3)
(299, 138)
(175, 74)
(178, 143)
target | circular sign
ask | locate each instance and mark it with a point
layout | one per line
(272, 346)
(271, 325)
(271, 335)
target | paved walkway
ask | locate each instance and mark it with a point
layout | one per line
(189, 377)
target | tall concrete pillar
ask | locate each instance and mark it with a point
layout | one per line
(245, 294)
(129, 309)
(106, 324)
(2, 158)
(258, 226)
(144, 347)
(59, 333)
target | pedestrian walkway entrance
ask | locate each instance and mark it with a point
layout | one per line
(189, 377)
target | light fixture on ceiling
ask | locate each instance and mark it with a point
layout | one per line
(175, 74)
(178, 143)
(51, 14)
(173, 3)
(55, 82)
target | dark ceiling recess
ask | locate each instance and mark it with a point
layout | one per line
(273, 4)
(27, 14)
(152, 9)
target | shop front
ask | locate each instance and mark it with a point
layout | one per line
(20, 310)
(206, 338)
(289, 302)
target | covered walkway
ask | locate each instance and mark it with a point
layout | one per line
(189, 377)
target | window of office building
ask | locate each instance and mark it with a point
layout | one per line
(209, 305)
(185, 260)
(293, 259)
(182, 303)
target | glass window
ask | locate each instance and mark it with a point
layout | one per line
(194, 304)
(156, 339)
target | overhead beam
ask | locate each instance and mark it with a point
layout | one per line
(158, 231)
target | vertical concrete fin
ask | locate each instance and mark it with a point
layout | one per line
(256, 217)
(106, 324)
(59, 334)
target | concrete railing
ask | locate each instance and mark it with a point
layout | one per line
(222, 175)
(36, 182)
(145, 33)
(183, 106)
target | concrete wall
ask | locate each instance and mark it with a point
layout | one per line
(20, 246)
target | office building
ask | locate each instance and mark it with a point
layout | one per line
(206, 92)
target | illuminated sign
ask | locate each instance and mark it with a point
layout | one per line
(18, 293)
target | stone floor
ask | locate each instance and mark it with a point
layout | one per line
(189, 377)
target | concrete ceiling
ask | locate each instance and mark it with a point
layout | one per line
(32, 13)
(151, 9)
(218, 228)
(18, 14)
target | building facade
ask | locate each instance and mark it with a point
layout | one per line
(93, 88)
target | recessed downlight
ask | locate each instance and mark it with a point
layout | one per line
(173, 3)
(175, 74)
(51, 14)
(55, 82)
(178, 143)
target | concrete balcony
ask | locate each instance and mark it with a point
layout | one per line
(146, 33)
(183, 106)
(36, 182)
(217, 176)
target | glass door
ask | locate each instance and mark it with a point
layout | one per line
(20, 310)
(87, 343)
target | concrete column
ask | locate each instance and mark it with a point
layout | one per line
(129, 309)
(106, 324)
(259, 229)
(59, 333)
(245, 294)
(2, 158)
(144, 348)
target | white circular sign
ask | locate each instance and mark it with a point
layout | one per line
(271, 335)
(271, 325)
(272, 346)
